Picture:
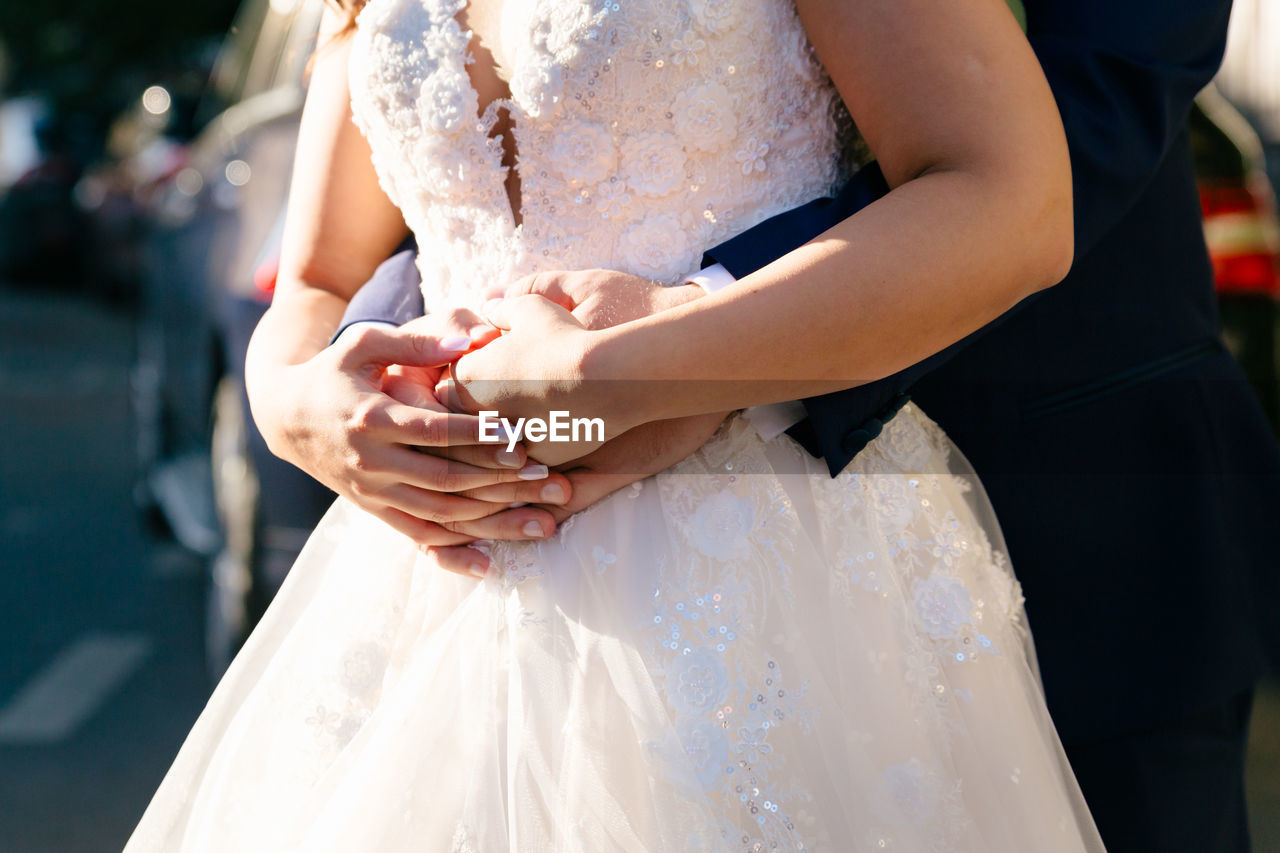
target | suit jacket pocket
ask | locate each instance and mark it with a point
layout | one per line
(1058, 401)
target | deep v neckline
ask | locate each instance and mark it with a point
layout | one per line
(489, 120)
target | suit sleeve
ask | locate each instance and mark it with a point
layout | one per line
(393, 295)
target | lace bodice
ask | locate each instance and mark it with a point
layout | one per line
(647, 131)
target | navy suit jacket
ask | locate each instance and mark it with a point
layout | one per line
(1133, 473)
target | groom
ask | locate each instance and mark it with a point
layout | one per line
(1133, 473)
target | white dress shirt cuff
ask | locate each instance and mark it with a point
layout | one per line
(712, 278)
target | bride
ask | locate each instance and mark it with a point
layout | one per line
(743, 652)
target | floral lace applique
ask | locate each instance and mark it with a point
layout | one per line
(959, 601)
(644, 115)
(727, 698)
(918, 801)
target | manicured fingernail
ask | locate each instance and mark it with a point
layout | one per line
(509, 458)
(532, 528)
(476, 570)
(553, 493)
(479, 333)
(455, 343)
(534, 472)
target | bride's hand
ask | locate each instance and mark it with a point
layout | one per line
(535, 367)
(636, 454)
(408, 461)
(533, 370)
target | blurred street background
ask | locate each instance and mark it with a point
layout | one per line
(145, 151)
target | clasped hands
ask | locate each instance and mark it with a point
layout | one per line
(408, 448)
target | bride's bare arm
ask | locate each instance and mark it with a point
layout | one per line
(323, 408)
(953, 103)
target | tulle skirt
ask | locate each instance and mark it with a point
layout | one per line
(739, 654)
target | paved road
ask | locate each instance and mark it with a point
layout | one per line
(100, 637)
(101, 667)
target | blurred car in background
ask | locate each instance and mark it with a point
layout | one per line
(1243, 235)
(213, 222)
(145, 147)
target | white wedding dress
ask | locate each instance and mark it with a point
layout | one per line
(740, 654)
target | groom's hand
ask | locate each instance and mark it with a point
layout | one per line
(602, 298)
(636, 454)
